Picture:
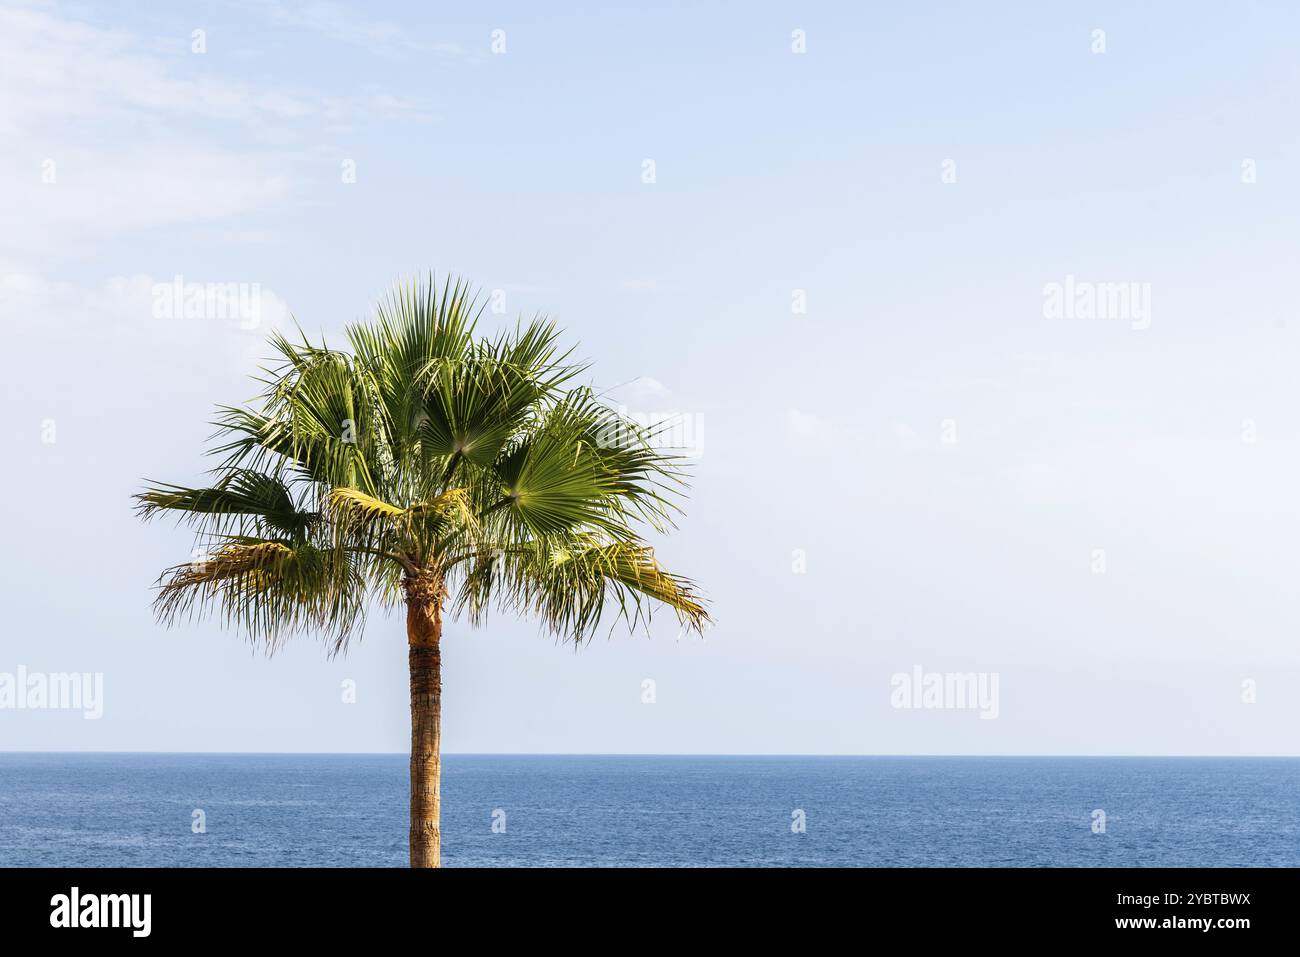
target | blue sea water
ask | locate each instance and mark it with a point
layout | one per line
(350, 810)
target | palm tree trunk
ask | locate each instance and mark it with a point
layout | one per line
(423, 634)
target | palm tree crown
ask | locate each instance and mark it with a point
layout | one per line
(426, 463)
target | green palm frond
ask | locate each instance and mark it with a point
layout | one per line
(454, 503)
(361, 521)
(268, 588)
(353, 504)
(570, 583)
(241, 500)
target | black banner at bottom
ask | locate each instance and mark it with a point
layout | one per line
(335, 906)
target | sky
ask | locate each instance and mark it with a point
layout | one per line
(829, 236)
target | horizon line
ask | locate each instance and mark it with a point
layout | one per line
(643, 754)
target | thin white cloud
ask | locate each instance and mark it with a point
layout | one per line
(54, 70)
(343, 23)
(812, 429)
(101, 193)
(200, 146)
(645, 389)
(91, 321)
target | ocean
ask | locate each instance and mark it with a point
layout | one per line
(290, 810)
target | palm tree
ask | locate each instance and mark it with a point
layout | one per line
(431, 468)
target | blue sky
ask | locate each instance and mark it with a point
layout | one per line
(1169, 443)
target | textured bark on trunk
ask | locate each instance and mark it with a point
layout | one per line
(423, 634)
